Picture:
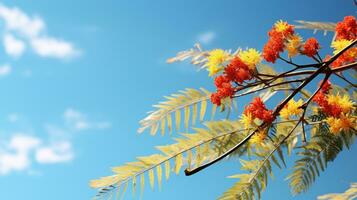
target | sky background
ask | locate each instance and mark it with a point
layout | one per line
(77, 76)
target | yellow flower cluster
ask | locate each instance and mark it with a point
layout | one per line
(258, 137)
(343, 123)
(293, 45)
(250, 57)
(281, 26)
(292, 108)
(247, 120)
(338, 45)
(215, 61)
(343, 102)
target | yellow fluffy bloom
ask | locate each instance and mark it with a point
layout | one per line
(344, 123)
(292, 108)
(215, 60)
(281, 26)
(293, 45)
(338, 45)
(251, 57)
(258, 137)
(247, 120)
(342, 101)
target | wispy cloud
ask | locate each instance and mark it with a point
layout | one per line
(32, 29)
(78, 121)
(206, 37)
(5, 70)
(15, 156)
(13, 47)
(55, 153)
(21, 149)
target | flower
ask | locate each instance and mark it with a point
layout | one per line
(258, 137)
(293, 45)
(237, 70)
(224, 89)
(343, 102)
(247, 120)
(338, 45)
(215, 61)
(347, 29)
(342, 123)
(251, 57)
(291, 108)
(258, 110)
(278, 35)
(283, 27)
(311, 47)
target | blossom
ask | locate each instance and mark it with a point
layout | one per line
(343, 102)
(293, 45)
(311, 47)
(283, 27)
(347, 29)
(258, 110)
(342, 123)
(215, 61)
(258, 137)
(338, 45)
(237, 70)
(291, 108)
(278, 35)
(251, 57)
(224, 89)
(247, 120)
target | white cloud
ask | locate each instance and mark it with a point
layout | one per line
(77, 121)
(15, 155)
(55, 48)
(206, 37)
(5, 70)
(56, 153)
(18, 21)
(13, 46)
(33, 29)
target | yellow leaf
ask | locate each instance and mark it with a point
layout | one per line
(124, 190)
(178, 163)
(198, 156)
(187, 116)
(134, 185)
(151, 178)
(194, 113)
(154, 128)
(214, 108)
(203, 109)
(159, 175)
(163, 126)
(189, 158)
(178, 119)
(167, 169)
(142, 183)
(169, 122)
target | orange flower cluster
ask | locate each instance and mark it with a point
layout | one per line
(346, 32)
(321, 100)
(235, 71)
(257, 109)
(347, 29)
(311, 47)
(280, 32)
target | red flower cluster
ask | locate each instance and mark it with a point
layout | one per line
(235, 71)
(347, 29)
(320, 98)
(275, 44)
(258, 110)
(224, 89)
(311, 47)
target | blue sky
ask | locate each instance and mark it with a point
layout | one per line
(77, 76)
